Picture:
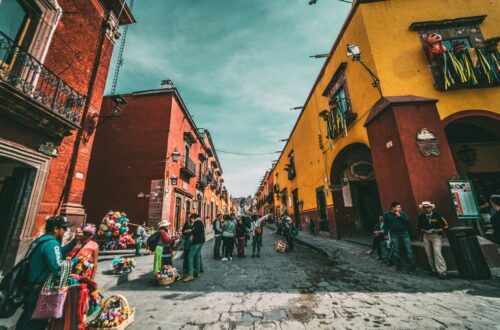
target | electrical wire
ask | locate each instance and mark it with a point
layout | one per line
(247, 154)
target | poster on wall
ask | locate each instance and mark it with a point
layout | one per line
(464, 199)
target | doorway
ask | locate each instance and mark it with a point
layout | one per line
(322, 211)
(366, 204)
(296, 214)
(16, 185)
(178, 203)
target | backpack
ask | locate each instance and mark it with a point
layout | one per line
(14, 286)
(152, 241)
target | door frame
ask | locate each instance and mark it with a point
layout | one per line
(41, 164)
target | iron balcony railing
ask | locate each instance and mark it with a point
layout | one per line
(24, 72)
(202, 180)
(189, 167)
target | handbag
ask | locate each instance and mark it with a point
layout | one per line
(50, 303)
(74, 310)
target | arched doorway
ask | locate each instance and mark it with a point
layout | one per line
(356, 200)
(474, 139)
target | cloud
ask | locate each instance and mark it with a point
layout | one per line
(239, 66)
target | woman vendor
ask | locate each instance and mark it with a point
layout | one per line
(163, 252)
(85, 254)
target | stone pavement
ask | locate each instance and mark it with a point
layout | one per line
(305, 290)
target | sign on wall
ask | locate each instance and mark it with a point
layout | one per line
(428, 143)
(464, 199)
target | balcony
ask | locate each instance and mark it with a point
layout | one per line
(210, 176)
(188, 168)
(202, 181)
(461, 68)
(33, 95)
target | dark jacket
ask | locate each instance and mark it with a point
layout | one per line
(241, 230)
(437, 222)
(198, 232)
(394, 224)
(47, 258)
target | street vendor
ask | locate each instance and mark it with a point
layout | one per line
(85, 254)
(163, 252)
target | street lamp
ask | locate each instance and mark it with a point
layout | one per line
(354, 52)
(175, 155)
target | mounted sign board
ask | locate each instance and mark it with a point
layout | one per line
(464, 199)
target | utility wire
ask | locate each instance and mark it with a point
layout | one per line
(247, 154)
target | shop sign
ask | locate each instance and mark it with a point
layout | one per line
(464, 199)
(362, 169)
(428, 143)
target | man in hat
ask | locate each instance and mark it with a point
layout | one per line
(45, 259)
(432, 226)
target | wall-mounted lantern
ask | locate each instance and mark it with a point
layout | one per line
(173, 180)
(354, 52)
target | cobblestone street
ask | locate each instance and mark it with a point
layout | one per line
(304, 289)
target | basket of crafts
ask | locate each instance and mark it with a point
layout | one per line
(116, 314)
(167, 275)
(122, 265)
(281, 246)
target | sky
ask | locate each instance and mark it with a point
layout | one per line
(239, 65)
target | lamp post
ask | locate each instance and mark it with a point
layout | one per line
(354, 52)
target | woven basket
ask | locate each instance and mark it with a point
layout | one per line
(124, 324)
(166, 281)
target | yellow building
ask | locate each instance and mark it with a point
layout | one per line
(435, 115)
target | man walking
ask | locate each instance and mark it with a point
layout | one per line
(140, 237)
(217, 227)
(45, 259)
(396, 223)
(194, 257)
(256, 230)
(432, 226)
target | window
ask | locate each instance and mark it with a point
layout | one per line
(14, 19)
(457, 53)
(340, 114)
(291, 167)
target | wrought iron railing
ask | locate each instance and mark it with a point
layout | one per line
(189, 167)
(24, 72)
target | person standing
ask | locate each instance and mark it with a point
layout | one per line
(378, 237)
(194, 257)
(228, 235)
(256, 231)
(287, 231)
(163, 251)
(432, 226)
(140, 238)
(495, 218)
(187, 231)
(47, 254)
(87, 251)
(217, 227)
(241, 232)
(396, 222)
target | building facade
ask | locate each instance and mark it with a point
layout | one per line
(152, 162)
(435, 116)
(54, 60)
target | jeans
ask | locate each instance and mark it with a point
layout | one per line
(376, 244)
(241, 246)
(229, 246)
(138, 246)
(402, 239)
(256, 243)
(217, 244)
(25, 322)
(194, 258)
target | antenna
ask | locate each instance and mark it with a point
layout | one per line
(119, 62)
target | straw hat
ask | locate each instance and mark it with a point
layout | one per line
(427, 203)
(164, 223)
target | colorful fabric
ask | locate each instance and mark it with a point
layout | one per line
(82, 258)
(157, 259)
(75, 309)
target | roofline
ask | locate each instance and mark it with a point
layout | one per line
(322, 71)
(176, 93)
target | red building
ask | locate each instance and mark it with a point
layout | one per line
(54, 60)
(152, 162)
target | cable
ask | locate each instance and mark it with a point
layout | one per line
(247, 154)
